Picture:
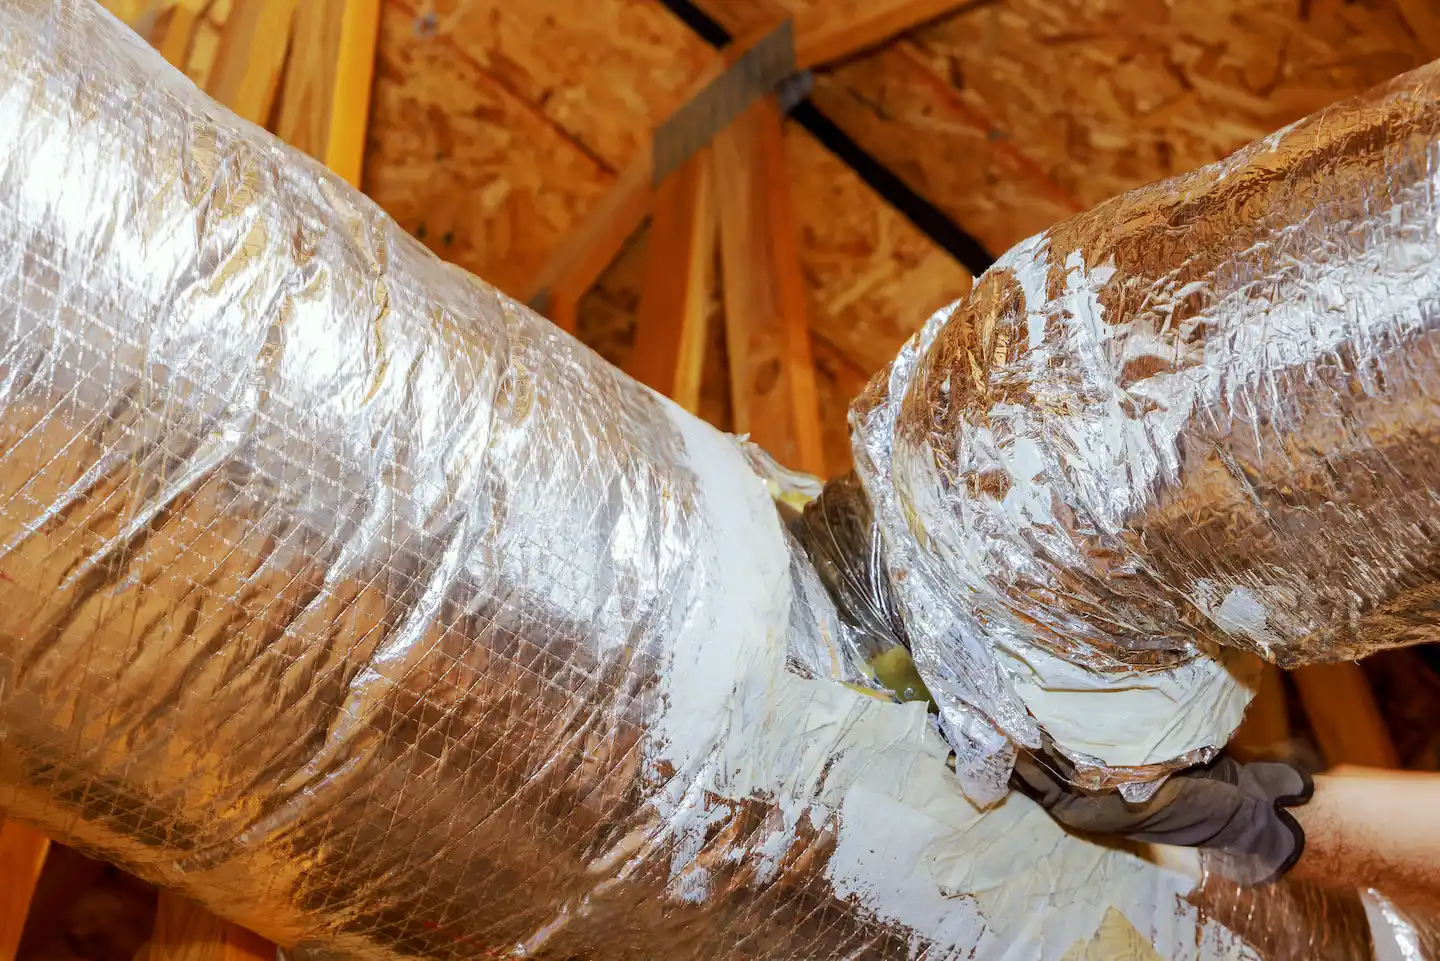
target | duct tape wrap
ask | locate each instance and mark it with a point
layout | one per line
(1196, 419)
(349, 597)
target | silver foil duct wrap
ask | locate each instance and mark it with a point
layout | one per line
(1199, 416)
(351, 598)
(347, 596)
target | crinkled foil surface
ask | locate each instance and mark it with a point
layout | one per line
(345, 595)
(1201, 414)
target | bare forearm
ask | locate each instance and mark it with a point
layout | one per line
(1374, 829)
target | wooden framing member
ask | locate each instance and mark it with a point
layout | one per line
(324, 108)
(670, 329)
(575, 265)
(251, 57)
(1265, 732)
(772, 376)
(835, 29)
(839, 29)
(22, 857)
(185, 931)
(175, 31)
(1342, 711)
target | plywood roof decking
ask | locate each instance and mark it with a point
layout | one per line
(474, 171)
(604, 72)
(1107, 95)
(1010, 114)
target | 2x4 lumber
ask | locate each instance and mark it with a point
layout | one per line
(176, 31)
(1342, 712)
(577, 263)
(252, 53)
(839, 29)
(324, 108)
(1265, 732)
(674, 298)
(185, 931)
(771, 372)
(1423, 19)
(354, 78)
(22, 857)
(835, 29)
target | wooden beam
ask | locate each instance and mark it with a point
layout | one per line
(743, 16)
(252, 53)
(771, 373)
(176, 31)
(354, 79)
(1342, 711)
(324, 108)
(670, 329)
(577, 263)
(574, 266)
(1423, 19)
(1265, 732)
(22, 857)
(185, 931)
(835, 29)
(838, 29)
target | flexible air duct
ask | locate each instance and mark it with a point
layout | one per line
(346, 595)
(1201, 416)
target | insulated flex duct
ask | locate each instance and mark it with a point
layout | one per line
(349, 597)
(1200, 416)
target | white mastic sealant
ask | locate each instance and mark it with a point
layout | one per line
(1001, 883)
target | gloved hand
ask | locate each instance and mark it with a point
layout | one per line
(1234, 811)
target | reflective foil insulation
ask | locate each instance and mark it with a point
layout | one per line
(1197, 418)
(347, 596)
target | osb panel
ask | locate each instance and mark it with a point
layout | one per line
(944, 148)
(872, 276)
(604, 71)
(1106, 95)
(463, 164)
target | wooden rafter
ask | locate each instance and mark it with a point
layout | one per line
(185, 931)
(1342, 711)
(771, 373)
(670, 329)
(251, 56)
(22, 856)
(325, 106)
(575, 266)
(839, 29)
(836, 29)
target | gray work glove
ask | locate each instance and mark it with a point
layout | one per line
(1236, 812)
